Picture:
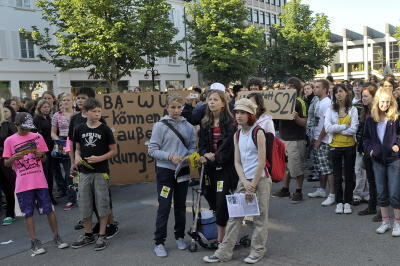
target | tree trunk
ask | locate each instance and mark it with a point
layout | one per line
(114, 85)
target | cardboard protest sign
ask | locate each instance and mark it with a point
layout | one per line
(131, 117)
(280, 104)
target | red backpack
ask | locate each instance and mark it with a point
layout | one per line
(275, 165)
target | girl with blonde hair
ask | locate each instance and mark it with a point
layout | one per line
(381, 142)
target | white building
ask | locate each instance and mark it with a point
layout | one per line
(21, 70)
(363, 54)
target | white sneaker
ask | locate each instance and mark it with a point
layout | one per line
(347, 209)
(319, 193)
(383, 228)
(252, 259)
(181, 244)
(330, 200)
(396, 229)
(160, 251)
(339, 208)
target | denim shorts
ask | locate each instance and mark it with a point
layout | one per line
(39, 198)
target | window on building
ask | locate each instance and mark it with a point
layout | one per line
(172, 15)
(278, 20)
(99, 86)
(262, 17)
(272, 2)
(379, 56)
(274, 19)
(267, 1)
(5, 91)
(27, 47)
(34, 89)
(255, 16)
(172, 60)
(24, 3)
(278, 2)
(394, 56)
(147, 85)
(267, 18)
(178, 84)
(250, 15)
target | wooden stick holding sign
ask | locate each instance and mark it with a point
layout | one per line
(280, 104)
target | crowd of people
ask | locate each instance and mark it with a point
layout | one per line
(53, 141)
(350, 130)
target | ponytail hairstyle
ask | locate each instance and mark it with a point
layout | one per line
(225, 116)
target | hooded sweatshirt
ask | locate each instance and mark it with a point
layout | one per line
(164, 141)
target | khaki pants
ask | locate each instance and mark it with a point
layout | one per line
(260, 233)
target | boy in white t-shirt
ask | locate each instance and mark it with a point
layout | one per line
(25, 152)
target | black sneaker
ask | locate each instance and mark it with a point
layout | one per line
(36, 247)
(296, 197)
(367, 211)
(377, 218)
(83, 240)
(101, 243)
(281, 193)
(78, 225)
(111, 231)
(96, 229)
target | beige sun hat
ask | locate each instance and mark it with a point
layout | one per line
(246, 105)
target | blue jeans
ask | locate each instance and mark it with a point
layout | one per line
(387, 177)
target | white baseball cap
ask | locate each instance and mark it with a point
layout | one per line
(217, 87)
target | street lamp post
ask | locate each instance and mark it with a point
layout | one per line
(153, 72)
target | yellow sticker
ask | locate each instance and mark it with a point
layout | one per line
(106, 176)
(165, 191)
(220, 186)
(207, 180)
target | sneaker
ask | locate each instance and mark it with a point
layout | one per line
(252, 259)
(297, 197)
(59, 243)
(181, 244)
(330, 200)
(69, 206)
(83, 240)
(111, 231)
(319, 193)
(78, 225)
(366, 211)
(36, 247)
(160, 251)
(281, 194)
(96, 229)
(101, 243)
(385, 226)
(8, 221)
(211, 259)
(356, 201)
(347, 209)
(339, 208)
(396, 229)
(377, 218)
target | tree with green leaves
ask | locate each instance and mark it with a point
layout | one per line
(109, 38)
(224, 48)
(299, 47)
(397, 36)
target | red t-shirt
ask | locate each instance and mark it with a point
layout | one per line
(216, 136)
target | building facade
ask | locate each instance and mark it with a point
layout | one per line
(23, 74)
(371, 52)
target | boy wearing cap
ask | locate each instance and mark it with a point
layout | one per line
(249, 165)
(25, 152)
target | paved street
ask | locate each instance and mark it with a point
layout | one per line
(303, 234)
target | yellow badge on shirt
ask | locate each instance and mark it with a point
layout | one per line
(106, 176)
(165, 191)
(220, 186)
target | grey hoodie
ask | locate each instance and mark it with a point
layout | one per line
(164, 141)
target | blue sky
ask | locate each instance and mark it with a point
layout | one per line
(354, 14)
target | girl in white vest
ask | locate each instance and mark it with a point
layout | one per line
(249, 164)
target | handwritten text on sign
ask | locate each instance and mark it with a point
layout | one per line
(131, 116)
(280, 104)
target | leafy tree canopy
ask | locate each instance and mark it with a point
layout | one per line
(107, 37)
(224, 48)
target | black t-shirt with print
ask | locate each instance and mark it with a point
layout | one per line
(94, 141)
